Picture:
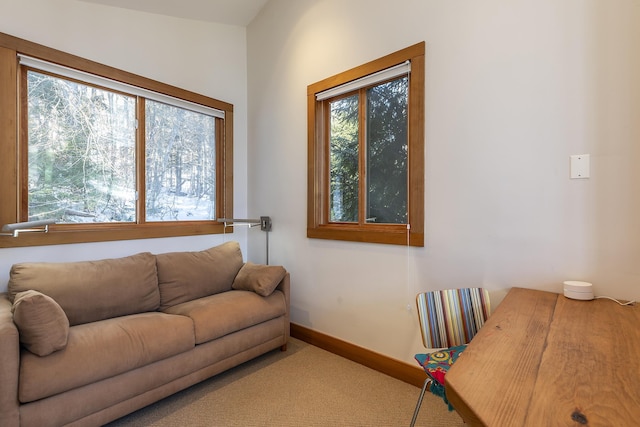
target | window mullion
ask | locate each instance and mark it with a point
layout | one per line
(362, 156)
(326, 163)
(141, 164)
(23, 150)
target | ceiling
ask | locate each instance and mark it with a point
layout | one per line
(230, 12)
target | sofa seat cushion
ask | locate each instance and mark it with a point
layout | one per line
(222, 314)
(92, 290)
(102, 349)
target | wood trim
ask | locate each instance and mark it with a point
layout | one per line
(385, 236)
(416, 149)
(8, 134)
(227, 171)
(141, 159)
(397, 369)
(111, 233)
(370, 67)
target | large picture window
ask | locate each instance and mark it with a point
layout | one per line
(106, 154)
(366, 149)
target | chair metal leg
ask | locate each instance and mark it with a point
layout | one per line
(415, 413)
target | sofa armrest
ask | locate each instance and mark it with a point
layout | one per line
(285, 287)
(9, 365)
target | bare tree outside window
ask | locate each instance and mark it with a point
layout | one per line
(81, 143)
(180, 158)
(82, 156)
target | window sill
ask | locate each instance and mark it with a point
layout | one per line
(109, 233)
(391, 235)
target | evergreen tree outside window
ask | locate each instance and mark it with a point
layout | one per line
(343, 159)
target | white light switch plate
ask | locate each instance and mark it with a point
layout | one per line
(580, 166)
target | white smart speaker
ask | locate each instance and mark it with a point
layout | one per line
(578, 290)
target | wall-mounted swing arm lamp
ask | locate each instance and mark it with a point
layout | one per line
(41, 226)
(264, 223)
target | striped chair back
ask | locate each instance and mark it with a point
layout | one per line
(452, 317)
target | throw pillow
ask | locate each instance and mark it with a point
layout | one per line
(261, 279)
(43, 326)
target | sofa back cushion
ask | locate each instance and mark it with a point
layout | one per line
(185, 276)
(89, 291)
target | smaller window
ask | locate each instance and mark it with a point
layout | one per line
(366, 152)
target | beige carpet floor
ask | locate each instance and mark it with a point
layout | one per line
(304, 386)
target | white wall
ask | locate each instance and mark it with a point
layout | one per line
(513, 88)
(206, 58)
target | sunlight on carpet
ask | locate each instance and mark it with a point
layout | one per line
(304, 386)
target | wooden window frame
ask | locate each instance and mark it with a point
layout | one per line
(318, 224)
(13, 148)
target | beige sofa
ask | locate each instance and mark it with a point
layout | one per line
(85, 343)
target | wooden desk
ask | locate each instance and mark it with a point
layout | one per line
(545, 360)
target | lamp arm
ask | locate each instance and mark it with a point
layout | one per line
(27, 226)
(264, 222)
